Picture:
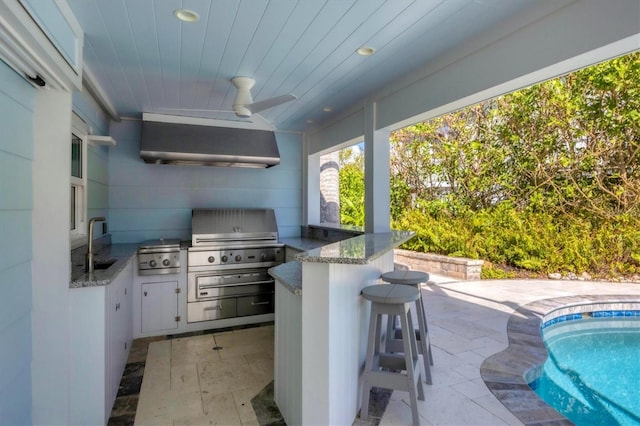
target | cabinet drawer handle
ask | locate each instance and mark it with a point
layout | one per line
(260, 303)
(213, 308)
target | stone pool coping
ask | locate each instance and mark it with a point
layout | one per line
(508, 373)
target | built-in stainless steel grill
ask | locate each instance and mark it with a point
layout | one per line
(231, 251)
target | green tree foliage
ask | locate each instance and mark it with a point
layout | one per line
(545, 178)
(351, 187)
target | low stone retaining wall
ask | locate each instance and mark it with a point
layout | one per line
(455, 267)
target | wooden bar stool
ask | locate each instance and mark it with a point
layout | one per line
(385, 370)
(394, 343)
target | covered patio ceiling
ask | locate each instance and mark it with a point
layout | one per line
(146, 60)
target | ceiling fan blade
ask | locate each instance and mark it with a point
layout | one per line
(216, 114)
(194, 110)
(270, 103)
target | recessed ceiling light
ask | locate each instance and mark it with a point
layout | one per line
(186, 15)
(365, 51)
(309, 120)
(327, 109)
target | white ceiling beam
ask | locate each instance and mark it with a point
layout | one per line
(575, 36)
(95, 90)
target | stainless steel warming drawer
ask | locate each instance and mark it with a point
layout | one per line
(230, 307)
(212, 310)
(256, 304)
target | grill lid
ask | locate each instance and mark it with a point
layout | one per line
(224, 226)
(160, 243)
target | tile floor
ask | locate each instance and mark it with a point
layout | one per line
(187, 382)
(206, 379)
(215, 377)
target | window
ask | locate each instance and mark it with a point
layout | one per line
(78, 179)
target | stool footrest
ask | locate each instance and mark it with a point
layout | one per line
(393, 380)
(392, 361)
(398, 334)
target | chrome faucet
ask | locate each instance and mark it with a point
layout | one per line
(89, 262)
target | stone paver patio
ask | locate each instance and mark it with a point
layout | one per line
(468, 324)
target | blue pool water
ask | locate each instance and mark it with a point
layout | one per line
(592, 375)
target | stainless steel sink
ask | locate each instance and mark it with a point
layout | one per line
(103, 263)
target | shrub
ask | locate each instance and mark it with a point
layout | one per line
(491, 272)
(527, 239)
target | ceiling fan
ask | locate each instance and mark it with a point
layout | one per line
(243, 105)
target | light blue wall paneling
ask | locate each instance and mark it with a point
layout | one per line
(15, 396)
(15, 349)
(16, 236)
(17, 99)
(91, 113)
(16, 114)
(15, 281)
(98, 164)
(15, 172)
(148, 201)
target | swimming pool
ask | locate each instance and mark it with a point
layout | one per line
(592, 375)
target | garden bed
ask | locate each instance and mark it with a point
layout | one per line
(455, 267)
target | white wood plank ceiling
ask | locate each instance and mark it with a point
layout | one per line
(146, 60)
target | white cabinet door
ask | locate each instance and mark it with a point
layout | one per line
(120, 323)
(159, 306)
(166, 298)
(111, 331)
(88, 338)
(118, 332)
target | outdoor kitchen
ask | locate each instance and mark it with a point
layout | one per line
(161, 188)
(227, 275)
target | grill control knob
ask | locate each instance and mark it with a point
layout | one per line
(166, 262)
(225, 258)
(238, 258)
(211, 259)
(263, 256)
(153, 263)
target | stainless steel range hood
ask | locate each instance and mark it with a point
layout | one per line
(203, 145)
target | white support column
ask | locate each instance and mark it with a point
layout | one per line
(50, 268)
(376, 174)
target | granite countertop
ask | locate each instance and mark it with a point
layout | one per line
(121, 253)
(351, 229)
(357, 250)
(302, 243)
(289, 275)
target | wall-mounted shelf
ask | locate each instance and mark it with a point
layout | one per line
(101, 140)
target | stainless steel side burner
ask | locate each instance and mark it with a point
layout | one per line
(156, 257)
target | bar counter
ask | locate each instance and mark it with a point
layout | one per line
(321, 326)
